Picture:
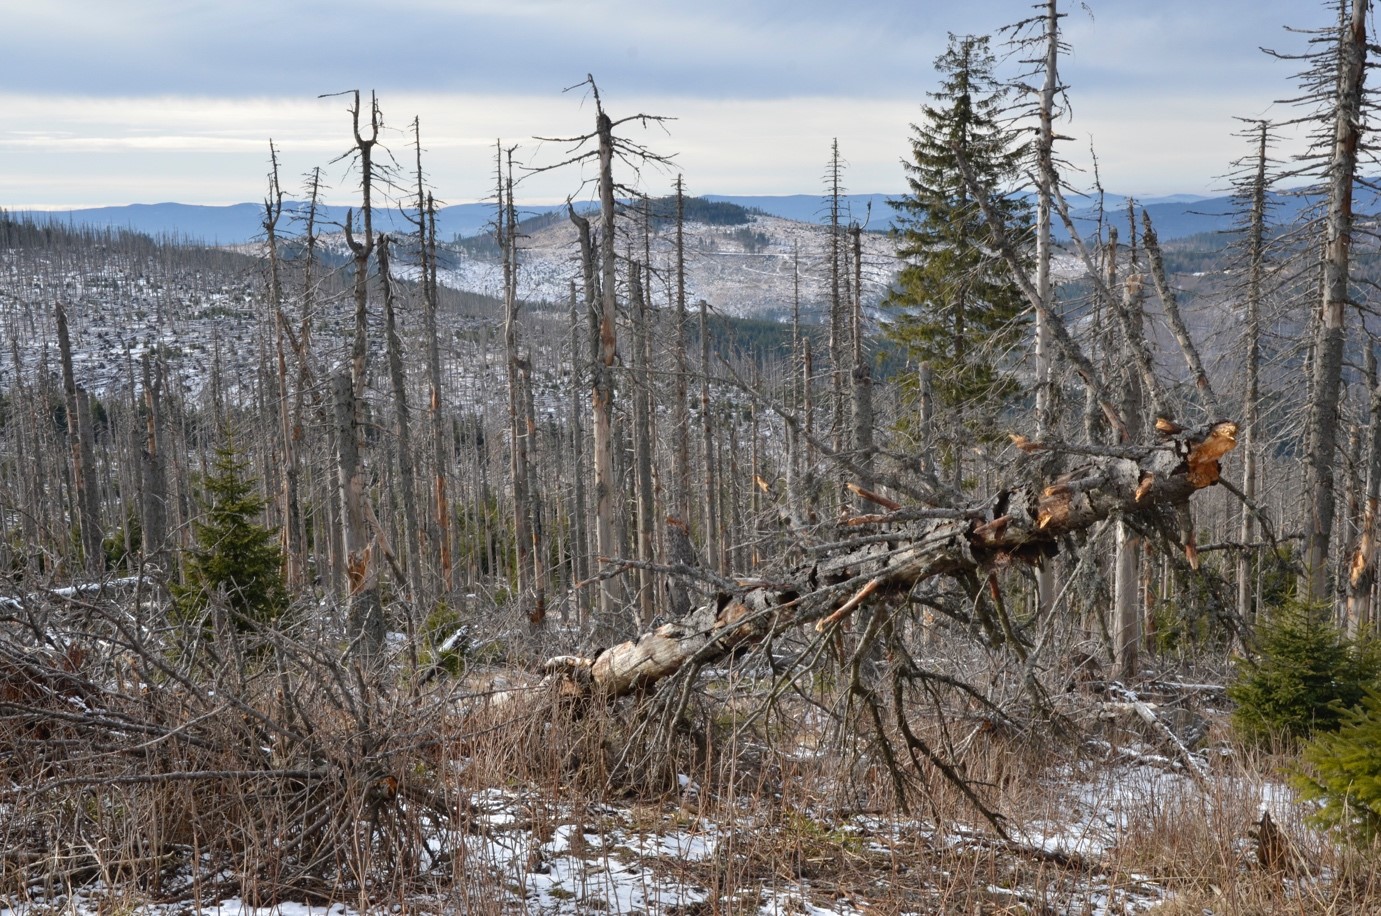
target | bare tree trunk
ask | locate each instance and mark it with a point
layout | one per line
(1251, 394)
(710, 504)
(580, 554)
(1328, 364)
(1045, 179)
(794, 460)
(862, 378)
(365, 619)
(926, 384)
(402, 422)
(439, 528)
(290, 533)
(325, 533)
(1176, 321)
(1127, 596)
(79, 437)
(1361, 583)
(516, 370)
(537, 609)
(681, 407)
(838, 327)
(611, 594)
(153, 516)
(642, 446)
(366, 616)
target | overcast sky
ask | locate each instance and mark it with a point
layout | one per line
(123, 101)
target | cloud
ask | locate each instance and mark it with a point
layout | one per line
(163, 91)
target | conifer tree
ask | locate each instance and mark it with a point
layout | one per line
(1304, 678)
(1345, 774)
(956, 306)
(236, 559)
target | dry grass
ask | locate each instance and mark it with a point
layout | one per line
(272, 770)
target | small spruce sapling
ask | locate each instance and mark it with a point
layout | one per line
(237, 562)
(1304, 678)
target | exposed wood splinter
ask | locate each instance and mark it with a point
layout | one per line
(889, 504)
(1203, 457)
(1144, 487)
(848, 607)
(992, 531)
(1168, 427)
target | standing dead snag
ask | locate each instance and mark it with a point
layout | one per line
(1024, 522)
(609, 146)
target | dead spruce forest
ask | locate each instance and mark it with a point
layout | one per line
(699, 561)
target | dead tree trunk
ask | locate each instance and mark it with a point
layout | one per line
(366, 615)
(1172, 314)
(290, 509)
(1045, 180)
(1361, 580)
(1251, 369)
(1127, 604)
(838, 327)
(710, 505)
(325, 541)
(153, 514)
(1349, 121)
(439, 528)
(862, 376)
(1020, 523)
(402, 422)
(642, 445)
(580, 552)
(83, 454)
(519, 441)
(607, 541)
(680, 408)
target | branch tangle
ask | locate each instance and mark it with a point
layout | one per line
(1023, 523)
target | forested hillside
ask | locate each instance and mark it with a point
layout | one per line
(657, 555)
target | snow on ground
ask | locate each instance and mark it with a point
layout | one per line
(546, 858)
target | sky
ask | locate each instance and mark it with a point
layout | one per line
(108, 102)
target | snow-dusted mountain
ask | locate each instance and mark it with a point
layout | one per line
(756, 269)
(1175, 215)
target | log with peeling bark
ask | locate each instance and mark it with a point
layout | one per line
(1022, 523)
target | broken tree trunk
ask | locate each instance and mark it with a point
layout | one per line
(1020, 523)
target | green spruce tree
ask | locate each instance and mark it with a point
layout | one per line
(1344, 774)
(236, 564)
(1305, 677)
(955, 304)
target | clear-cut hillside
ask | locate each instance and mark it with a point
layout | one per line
(749, 271)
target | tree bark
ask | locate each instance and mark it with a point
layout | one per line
(710, 505)
(402, 420)
(153, 516)
(366, 616)
(579, 540)
(642, 446)
(1254, 192)
(1328, 363)
(519, 442)
(681, 408)
(83, 455)
(1045, 180)
(1361, 581)
(607, 543)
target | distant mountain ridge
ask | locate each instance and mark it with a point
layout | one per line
(1174, 216)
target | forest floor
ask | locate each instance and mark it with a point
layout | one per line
(1113, 829)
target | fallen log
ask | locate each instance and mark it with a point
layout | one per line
(1024, 523)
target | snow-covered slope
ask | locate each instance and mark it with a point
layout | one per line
(753, 270)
